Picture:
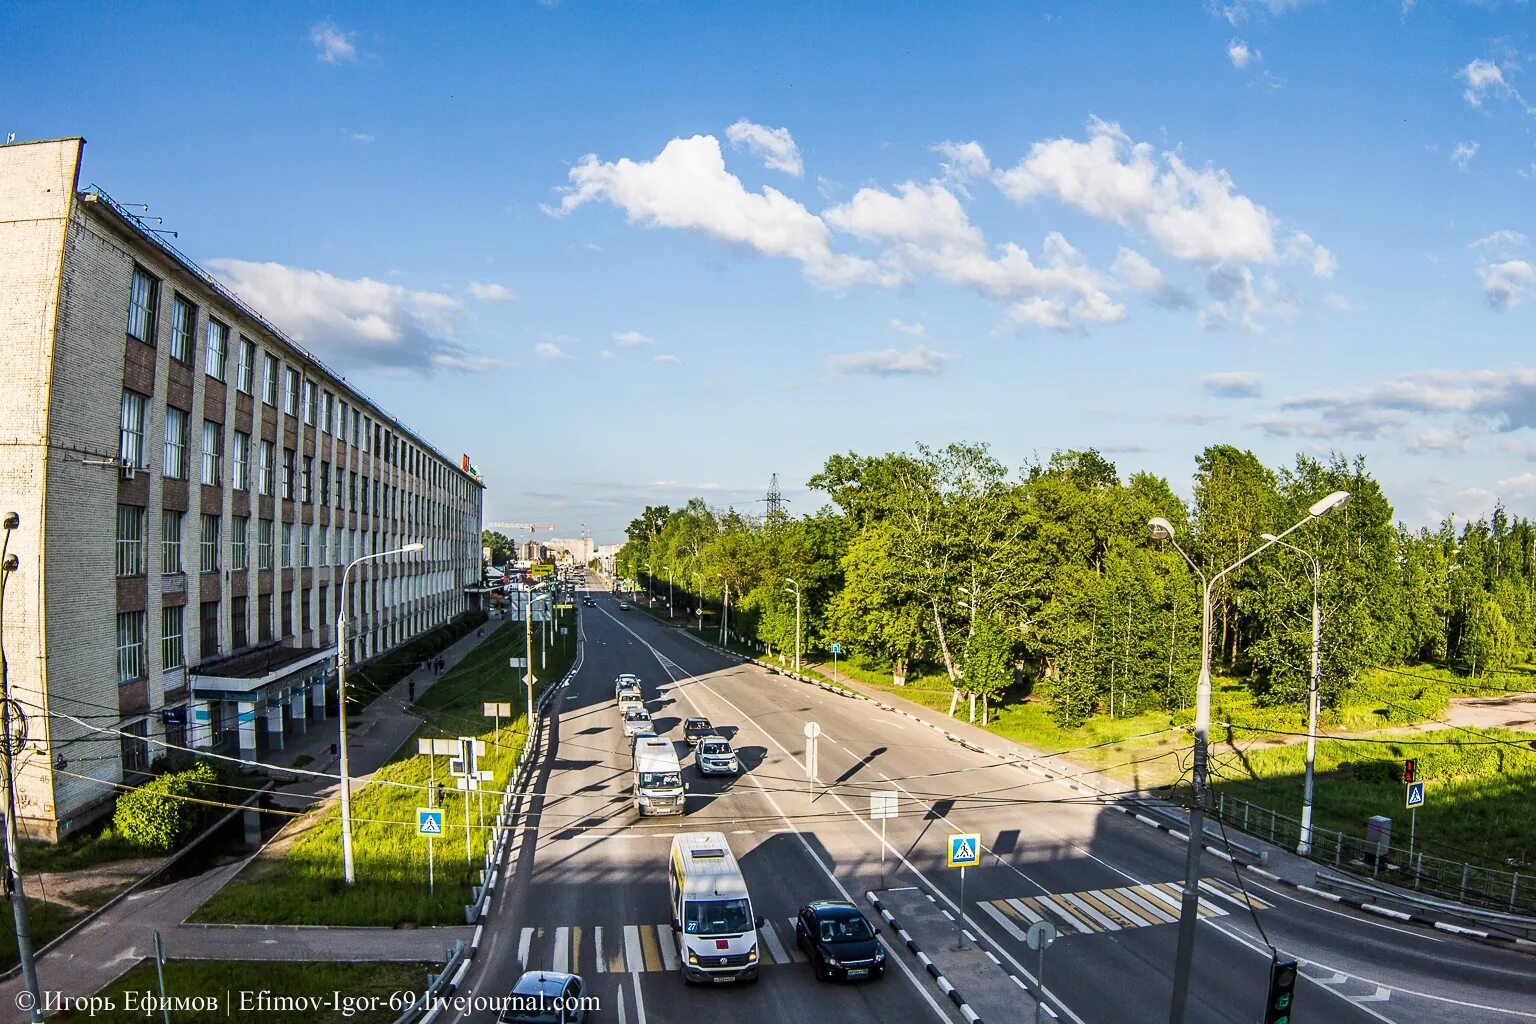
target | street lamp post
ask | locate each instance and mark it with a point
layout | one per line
(8, 739)
(669, 593)
(1190, 908)
(1304, 847)
(341, 706)
(792, 587)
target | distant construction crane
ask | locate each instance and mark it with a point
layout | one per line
(532, 528)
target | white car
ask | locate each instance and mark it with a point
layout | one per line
(715, 757)
(637, 719)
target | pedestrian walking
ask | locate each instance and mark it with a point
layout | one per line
(410, 689)
(442, 663)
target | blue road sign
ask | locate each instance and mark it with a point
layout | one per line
(837, 648)
(964, 850)
(1416, 794)
(429, 821)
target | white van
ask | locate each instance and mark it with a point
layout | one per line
(658, 779)
(711, 911)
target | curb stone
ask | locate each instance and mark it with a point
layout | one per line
(922, 958)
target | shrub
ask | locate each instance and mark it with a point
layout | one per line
(160, 814)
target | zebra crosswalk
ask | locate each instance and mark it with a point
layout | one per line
(633, 948)
(1112, 910)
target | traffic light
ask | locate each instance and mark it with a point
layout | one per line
(1282, 990)
(1410, 771)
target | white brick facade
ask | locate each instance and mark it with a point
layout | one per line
(67, 266)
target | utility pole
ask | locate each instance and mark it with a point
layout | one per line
(794, 588)
(8, 744)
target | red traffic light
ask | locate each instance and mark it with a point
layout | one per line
(1410, 770)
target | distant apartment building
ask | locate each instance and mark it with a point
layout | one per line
(576, 550)
(191, 485)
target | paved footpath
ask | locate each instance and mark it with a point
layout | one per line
(117, 938)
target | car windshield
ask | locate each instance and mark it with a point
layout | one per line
(635, 715)
(845, 929)
(698, 725)
(717, 917)
(660, 780)
(714, 748)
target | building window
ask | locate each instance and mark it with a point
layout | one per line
(269, 368)
(170, 542)
(341, 420)
(324, 596)
(217, 350)
(325, 482)
(208, 628)
(327, 413)
(264, 544)
(143, 297)
(213, 453)
(239, 635)
(287, 546)
(304, 622)
(288, 457)
(341, 480)
(130, 540)
(131, 438)
(287, 613)
(307, 480)
(306, 551)
(208, 543)
(183, 323)
(130, 646)
(242, 461)
(134, 745)
(309, 403)
(245, 366)
(352, 492)
(172, 651)
(237, 541)
(264, 617)
(175, 443)
(320, 554)
(264, 481)
(291, 391)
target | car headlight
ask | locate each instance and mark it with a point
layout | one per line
(752, 955)
(832, 961)
(693, 959)
(879, 955)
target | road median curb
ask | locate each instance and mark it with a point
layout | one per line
(928, 965)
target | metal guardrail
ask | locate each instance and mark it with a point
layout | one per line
(435, 987)
(1411, 868)
(1394, 894)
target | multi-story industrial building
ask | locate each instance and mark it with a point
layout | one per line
(190, 485)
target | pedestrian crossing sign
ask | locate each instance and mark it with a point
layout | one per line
(429, 821)
(964, 850)
(1416, 794)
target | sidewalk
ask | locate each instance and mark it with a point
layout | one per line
(119, 936)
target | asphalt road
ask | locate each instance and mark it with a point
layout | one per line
(588, 890)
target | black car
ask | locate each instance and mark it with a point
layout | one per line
(695, 729)
(840, 941)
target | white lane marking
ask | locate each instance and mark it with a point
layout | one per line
(1381, 995)
(633, 958)
(1025, 909)
(1072, 919)
(667, 941)
(522, 947)
(664, 662)
(639, 999)
(562, 957)
(1124, 906)
(1148, 907)
(771, 940)
(1109, 923)
(597, 945)
(1003, 922)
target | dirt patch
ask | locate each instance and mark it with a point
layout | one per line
(88, 888)
(1515, 712)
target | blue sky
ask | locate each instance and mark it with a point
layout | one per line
(627, 253)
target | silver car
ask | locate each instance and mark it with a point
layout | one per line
(636, 719)
(715, 757)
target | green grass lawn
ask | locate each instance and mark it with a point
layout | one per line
(47, 922)
(345, 991)
(298, 880)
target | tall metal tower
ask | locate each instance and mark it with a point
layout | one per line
(775, 501)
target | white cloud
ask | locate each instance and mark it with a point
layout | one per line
(488, 292)
(1236, 11)
(1193, 215)
(1436, 440)
(1338, 302)
(665, 360)
(1240, 55)
(686, 187)
(1300, 248)
(1041, 312)
(605, 354)
(1496, 400)
(630, 339)
(1500, 244)
(1237, 305)
(964, 162)
(1462, 155)
(1232, 384)
(363, 138)
(919, 361)
(1506, 284)
(1139, 274)
(333, 45)
(1484, 78)
(353, 323)
(914, 330)
(774, 146)
(549, 350)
